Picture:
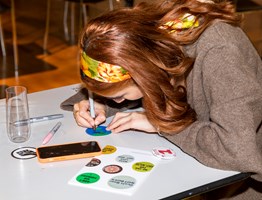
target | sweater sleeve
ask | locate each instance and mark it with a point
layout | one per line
(231, 138)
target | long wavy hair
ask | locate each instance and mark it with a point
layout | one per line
(131, 38)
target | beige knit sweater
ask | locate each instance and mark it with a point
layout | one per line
(225, 90)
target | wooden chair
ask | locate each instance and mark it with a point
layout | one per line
(3, 8)
(129, 3)
(247, 5)
(83, 15)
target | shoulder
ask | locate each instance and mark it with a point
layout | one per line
(220, 35)
(222, 42)
(222, 29)
(224, 48)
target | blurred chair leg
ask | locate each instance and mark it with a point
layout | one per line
(14, 36)
(111, 4)
(47, 26)
(72, 22)
(72, 10)
(2, 38)
(83, 16)
(65, 20)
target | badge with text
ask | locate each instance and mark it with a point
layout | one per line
(24, 153)
(164, 153)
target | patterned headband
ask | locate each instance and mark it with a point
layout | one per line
(109, 73)
(101, 71)
(185, 22)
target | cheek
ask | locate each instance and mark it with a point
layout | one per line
(134, 96)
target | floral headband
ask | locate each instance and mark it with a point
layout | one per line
(101, 71)
(185, 22)
(109, 73)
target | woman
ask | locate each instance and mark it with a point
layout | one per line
(198, 76)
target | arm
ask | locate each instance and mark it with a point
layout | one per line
(111, 107)
(79, 104)
(68, 104)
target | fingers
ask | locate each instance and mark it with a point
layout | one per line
(82, 114)
(133, 120)
(121, 122)
(100, 117)
(83, 107)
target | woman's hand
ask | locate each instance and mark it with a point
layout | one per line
(83, 117)
(130, 120)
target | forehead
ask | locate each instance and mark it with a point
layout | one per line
(123, 91)
(119, 94)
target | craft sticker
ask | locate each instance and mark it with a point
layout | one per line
(109, 149)
(112, 169)
(125, 158)
(142, 166)
(122, 182)
(99, 131)
(87, 178)
(93, 163)
(164, 153)
(118, 170)
(24, 153)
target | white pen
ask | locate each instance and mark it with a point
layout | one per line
(39, 119)
(51, 133)
(92, 106)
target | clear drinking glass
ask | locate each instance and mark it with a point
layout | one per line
(17, 114)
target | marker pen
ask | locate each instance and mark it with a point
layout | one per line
(39, 119)
(51, 133)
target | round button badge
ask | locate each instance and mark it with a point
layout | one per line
(122, 182)
(88, 178)
(112, 169)
(108, 149)
(24, 153)
(164, 153)
(94, 162)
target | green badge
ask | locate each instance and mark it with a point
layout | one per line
(87, 178)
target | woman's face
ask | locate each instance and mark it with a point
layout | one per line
(131, 92)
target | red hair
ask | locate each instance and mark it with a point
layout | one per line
(131, 38)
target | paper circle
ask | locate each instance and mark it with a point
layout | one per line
(122, 182)
(99, 131)
(143, 166)
(88, 178)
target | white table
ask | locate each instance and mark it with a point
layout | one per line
(30, 180)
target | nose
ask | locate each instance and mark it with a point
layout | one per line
(119, 100)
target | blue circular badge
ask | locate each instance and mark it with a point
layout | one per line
(99, 131)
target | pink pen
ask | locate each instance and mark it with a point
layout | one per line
(51, 133)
